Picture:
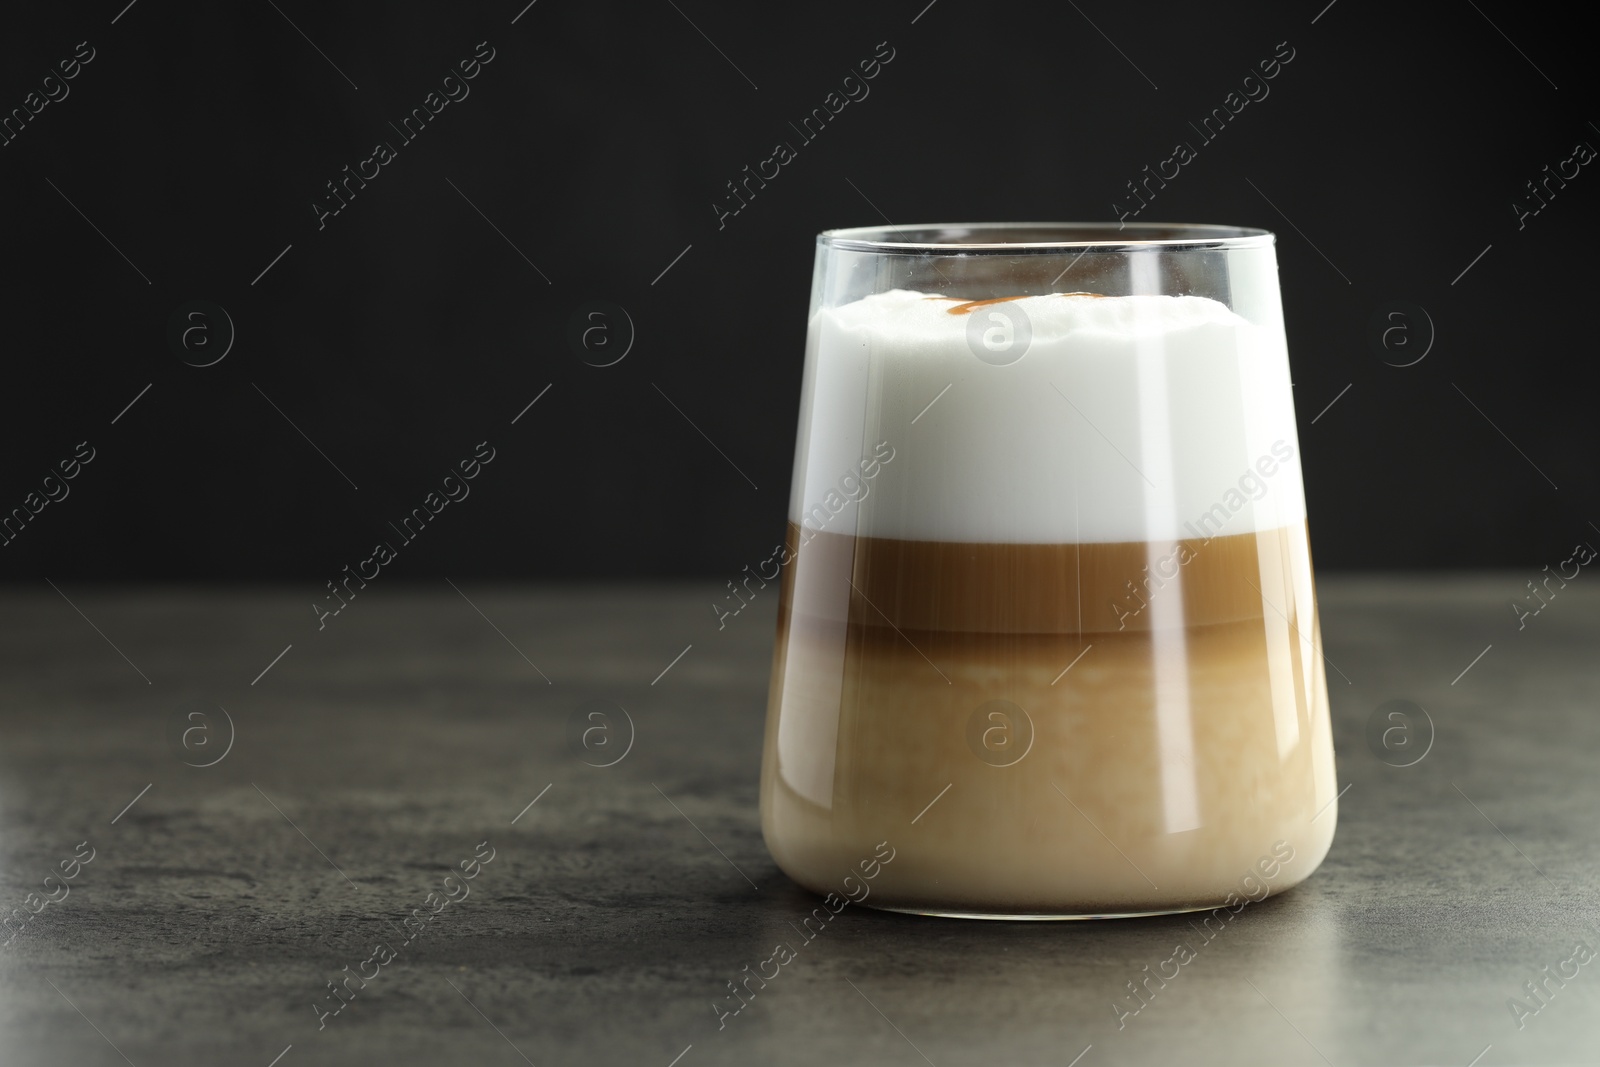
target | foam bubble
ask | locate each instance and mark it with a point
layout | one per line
(1132, 418)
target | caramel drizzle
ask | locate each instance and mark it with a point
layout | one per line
(965, 308)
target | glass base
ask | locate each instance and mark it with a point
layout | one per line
(953, 913)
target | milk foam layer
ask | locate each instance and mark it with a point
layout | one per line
(1125, 419)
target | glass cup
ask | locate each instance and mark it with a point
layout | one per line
(1047, 642)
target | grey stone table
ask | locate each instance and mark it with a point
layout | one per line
(371, 758)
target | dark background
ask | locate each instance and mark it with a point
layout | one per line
(408, 329)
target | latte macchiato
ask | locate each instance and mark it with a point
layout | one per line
(1063, 649)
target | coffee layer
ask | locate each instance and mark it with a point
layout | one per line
(1036, 588)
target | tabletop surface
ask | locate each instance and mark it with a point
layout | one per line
(211, 809)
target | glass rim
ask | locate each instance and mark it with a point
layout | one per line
(1033, 238)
